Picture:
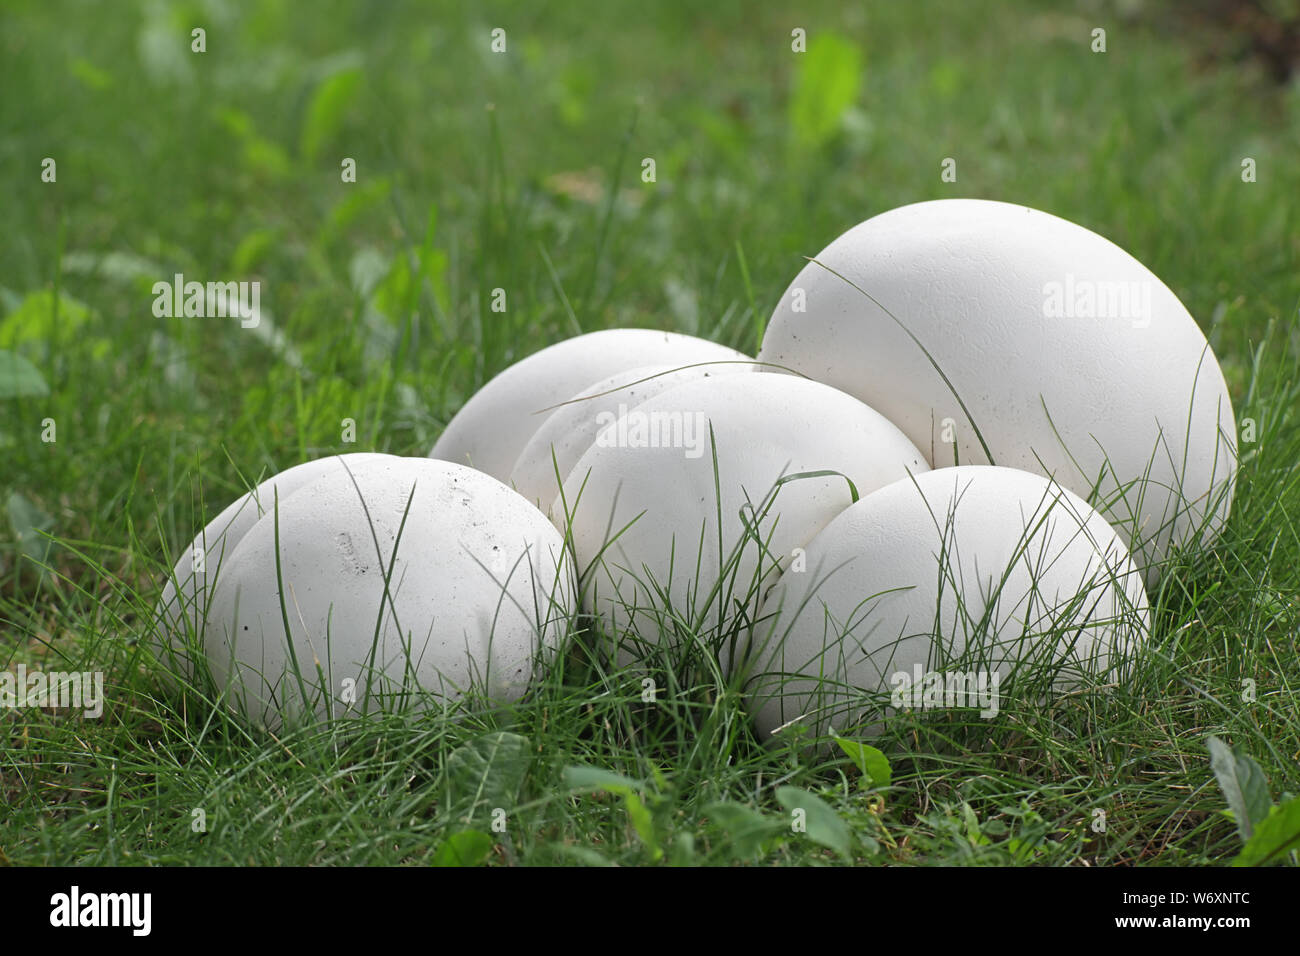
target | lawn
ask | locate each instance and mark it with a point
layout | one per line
(526, 171)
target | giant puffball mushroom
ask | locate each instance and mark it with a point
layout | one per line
(405, 572)
(663, 538)
(572, 428)
(1063, 355)
(180, 614)
(493, 427)
(959, 571)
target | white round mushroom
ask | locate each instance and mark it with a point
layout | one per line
(180, 614)
(493, 427)
(961, 577)
(408, 573)
(669, 545)
(1062, 353)
(572, 428)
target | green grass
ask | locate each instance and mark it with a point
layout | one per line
(522, 172)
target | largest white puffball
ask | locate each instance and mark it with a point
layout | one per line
(492, 428)
(684, 509)
(1050, 349)
(362, 587)
(957, 572)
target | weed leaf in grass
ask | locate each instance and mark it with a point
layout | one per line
(41, 318)
(643, 823)
(1243, 785)
(1276, 834)
(873, 763)
(746, 828)
(823, 824)
(486, 773)
(826, 86)
(466, 848)
(593, 778)
(329, 104)
(19, 378)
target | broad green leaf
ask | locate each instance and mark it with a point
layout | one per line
(466, 848)
(974, 834)
(19, 378)
(873, 763)
(487, 773)
(745, 827)
(593, 778)
(329, 104)
(824, 825)
(643, 824)
(825, 87)
(682, 852)
(1275, 835)
(1243, 785)
(35, 319)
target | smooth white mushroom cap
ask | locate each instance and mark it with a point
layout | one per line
(645, 520)
(180, 614)
(477, 585)
(572, 428)
(903, 579)
(1072, 358)
(493, 427)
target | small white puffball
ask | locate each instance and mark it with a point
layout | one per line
(1054, 347)
(493, 427)
(968, 574)
(407, 572)
(180, 614)
(688, 504)
(572, 428)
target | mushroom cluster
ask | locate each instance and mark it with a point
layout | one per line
(973, 436)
